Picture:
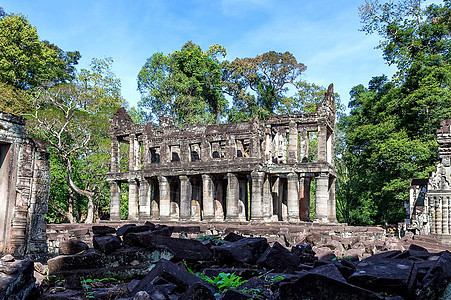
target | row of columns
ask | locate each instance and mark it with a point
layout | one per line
(440, 214)
(143, 203)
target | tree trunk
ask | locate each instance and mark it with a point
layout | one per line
(90, 214)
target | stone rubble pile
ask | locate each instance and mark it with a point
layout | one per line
(145, 262)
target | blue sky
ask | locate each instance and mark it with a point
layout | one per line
(322, 34)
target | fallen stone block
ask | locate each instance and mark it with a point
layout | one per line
(103, 230)
(106, 243)
(17, 284)
(317, 286)
(172, 273)
(72, 246)
(247, 250)
(91, 259)
(437, 279)
(383, 275)
(279, 259)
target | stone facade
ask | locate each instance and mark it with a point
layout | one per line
(24, 189)
(249, 171)
(438, 196)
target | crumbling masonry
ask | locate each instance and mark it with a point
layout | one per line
(259, 170)
(24, 189)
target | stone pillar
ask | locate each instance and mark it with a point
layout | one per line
(257, 195)
(268, 145)
(432, 214)
(133, 200)
(322, 143)
(185, 199)
(131, 152)
(114, 155)
(293, 143)
(232, 147)
(438, 215)
(293, 197)
(267, 198)
(276, 199)
(232, 197)
(445, 216)
(144, 199)
(330, 147)
(322, 198)
(205, 151)
(137, 154)
(304, 147)
(332, 207)
(115, 205)
(207, 197)
(165, 197)
(304, 196)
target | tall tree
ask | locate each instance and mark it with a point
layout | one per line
(390, 132)
(73, 119)
(258, 84)
(185, 85)
(26, 62)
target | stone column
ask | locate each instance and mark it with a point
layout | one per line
(432, 214)
(185, 199)
(115, 205)
(293, 197)
(304, 147)
(207, 197)
(267, 149)
(332, 213)
(232, 197)
(137, 154)
(322, 143)
(438, 215)
(445, 216)
(205, 151)
(330, 147)
(293, 143)
(232, 147)
(267, 198)
(322, 198)
(144, 199)
(114, 155)
(257, 195)
(133, 199)
(131, 152)
(304, 196)
(165, 197)
(276, 198)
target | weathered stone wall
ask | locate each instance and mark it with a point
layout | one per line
(247, 171)
(24, 189)
(289, 233)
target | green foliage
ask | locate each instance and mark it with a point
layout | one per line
(257, 85)
(224, 281)
(27, 63)
(213, 239)
(390, 134)
(73, 119)
(185, 85)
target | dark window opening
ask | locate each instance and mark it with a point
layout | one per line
(239, 153)
(175, 157)
(195, 156)
(215, 154)
(154, 157)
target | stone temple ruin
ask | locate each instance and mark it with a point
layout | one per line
(429, 210)
(259, 170)
(24, 189)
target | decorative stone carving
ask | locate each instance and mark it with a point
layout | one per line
(24, 189)
(239, 172)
